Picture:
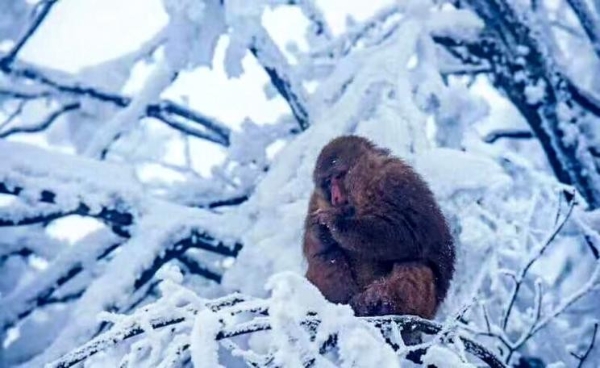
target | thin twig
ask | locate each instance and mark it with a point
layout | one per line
(233, 201)
(18, 95)
(583, 357)
(536, 318)
(42, 12)
(532, 260)
(50, 119)
(14, 114)
(495, 135)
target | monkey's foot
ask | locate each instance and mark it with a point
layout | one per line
(372, 302)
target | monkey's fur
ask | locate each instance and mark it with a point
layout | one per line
(375, 237)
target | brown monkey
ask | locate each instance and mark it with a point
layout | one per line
(375, 237)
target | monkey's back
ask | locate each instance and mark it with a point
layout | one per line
(392, 191)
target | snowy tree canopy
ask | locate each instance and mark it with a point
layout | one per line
(152, 198)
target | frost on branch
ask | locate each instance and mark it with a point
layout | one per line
(296, 326)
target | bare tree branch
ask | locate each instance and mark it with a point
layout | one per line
(13, 115)
(50, 119)
(342, 45)
(19, 95)
(234, 201)
(493, 136)
(65, 298)
(43, 10)
(586, 99)
(216, 132)
(588, 22)
(581, 358)
(190, 130)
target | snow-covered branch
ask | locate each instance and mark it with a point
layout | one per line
(542, 93)
(156, 318)
(281, 75)
(538, 316)
(164, 110)
(519, 278)
(589, 22)
(41, 290)
(95, 189)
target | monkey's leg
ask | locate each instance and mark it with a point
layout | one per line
(408, 289)
(330, 272)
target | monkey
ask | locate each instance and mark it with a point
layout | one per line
(375, 237)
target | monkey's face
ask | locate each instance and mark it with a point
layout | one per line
(329, 180)
(331, 171)
(334, 188)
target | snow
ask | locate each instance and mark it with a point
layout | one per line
(535, 93)
(194, 30)
(103, 185)
(466, 172)
(126, 119)
(203, 346)
(69, 176)
(456, 23)
(441, 357)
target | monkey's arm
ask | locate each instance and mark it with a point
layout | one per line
(331, 274)
(328, 269)
(373, 237)
(408, 289)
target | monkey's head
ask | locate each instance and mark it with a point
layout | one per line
(335, 160)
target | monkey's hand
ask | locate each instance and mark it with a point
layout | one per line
(374, 301)
(330, 217)
(325, 216)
